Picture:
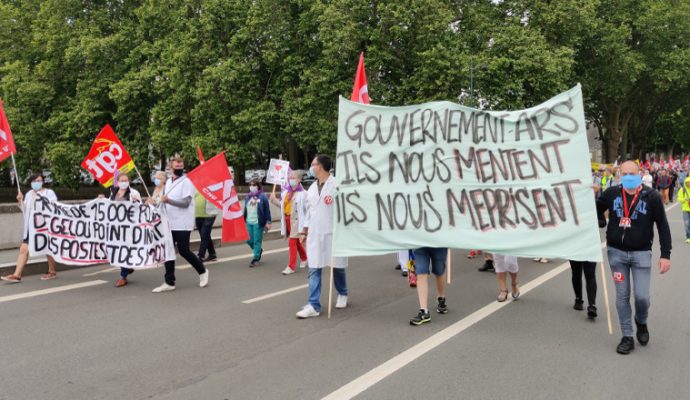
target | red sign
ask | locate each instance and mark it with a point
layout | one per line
(6, 141)
(107, 155)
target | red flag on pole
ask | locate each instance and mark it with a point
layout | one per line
(106, 156)
(213, 180)
(201, 156)
(7, 147)
(360, 92)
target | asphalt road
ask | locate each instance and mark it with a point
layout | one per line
(95, 341)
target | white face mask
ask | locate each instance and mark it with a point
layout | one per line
(123, 185)
(253, 189)
(293, 183)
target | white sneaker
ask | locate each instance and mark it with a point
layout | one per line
(307, 312)
(341, 302)
(544, 260)
(164, 288)
(303, 264)
(288, 271)
(203, 279)
(537, 259)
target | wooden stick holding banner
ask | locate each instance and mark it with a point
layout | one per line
(449, 266)
(330, 290)
(606, 295)
(16, 178)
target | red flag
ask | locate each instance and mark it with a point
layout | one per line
(6, 141)
(686, 161)
(201, 156)
(360, 92)
(670, 161)
(106, 156)
(213, 180)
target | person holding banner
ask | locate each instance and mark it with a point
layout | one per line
(633, 211)
(257, 215)
(430, 260)
(178, 198)
(589, 269)
(292, 205)
(205, 216)
(26, 203)
(123, 192)
(318, 234)
(159, 180)
(502, 265)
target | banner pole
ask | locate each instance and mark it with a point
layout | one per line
(449, 266)
(143, 182)
(606, 296)
(330, 291)
(16, 179)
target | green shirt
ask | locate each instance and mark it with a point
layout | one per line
(200, 206)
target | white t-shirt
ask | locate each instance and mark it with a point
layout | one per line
(181, 219)
(29, 202)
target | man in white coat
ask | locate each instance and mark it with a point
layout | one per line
(318, 233)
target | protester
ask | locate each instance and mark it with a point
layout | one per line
(647, 179)
(589, 269)
(257, 215)
(502, 265)
(205, 217)
(402, 257)
(684, 200)
(674, 181)
(663, 182)
(122, 191)
(430, 259)
(633, 211)
(606, 180)
(292, 203)
(26, 203)
(178, 198)
(159, 180)
(318, 234)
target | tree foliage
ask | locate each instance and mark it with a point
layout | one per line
(259, 78)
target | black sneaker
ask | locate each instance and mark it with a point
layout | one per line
(254, 263)
(398, 267)
(260, 254)
(209, 258)
(626, 345)
(404, 273)
(578, 305)
(487, 267)
(421, 318)
(592, 312)
(642, 333)
(441, 307)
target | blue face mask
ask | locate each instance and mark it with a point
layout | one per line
(311, 172)
(157, 182)
(631, 181)
(36, 185)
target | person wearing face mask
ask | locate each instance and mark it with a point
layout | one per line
(26, 203)
(292, 202)
(318, 234)
(178, 197)
(122, 191)
(257, 216)
(633, 211)
(159, 180)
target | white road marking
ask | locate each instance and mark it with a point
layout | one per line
(275, 294)
(102, 271)
(51, 290)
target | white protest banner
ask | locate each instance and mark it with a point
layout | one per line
(443, 175)
(123, 234)
(277, 173)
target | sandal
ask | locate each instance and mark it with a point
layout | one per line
(502, 296)
(11, 278)
(48, 276)
(516, 291)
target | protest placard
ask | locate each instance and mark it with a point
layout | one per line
(277, 173)
(123, 234)
(443, 175)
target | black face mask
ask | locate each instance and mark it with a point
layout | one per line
(178, 172)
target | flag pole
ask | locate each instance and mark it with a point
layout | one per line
(606, 296)
(16, 178)
(143, 182)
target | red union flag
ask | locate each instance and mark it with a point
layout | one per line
(213, 180)
(6, 141)
(360, 92)
(107, 155)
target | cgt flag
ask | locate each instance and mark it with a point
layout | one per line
(107, 155)
(7, 147)
(360, 91)
(213, 180)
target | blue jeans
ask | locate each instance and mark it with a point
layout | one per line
(314, 279)
(256, 238)
(205, 226)
(624, 265)
(686, 220)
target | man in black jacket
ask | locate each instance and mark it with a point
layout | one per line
(633, 211)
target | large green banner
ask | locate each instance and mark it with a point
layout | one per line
(444, 175)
